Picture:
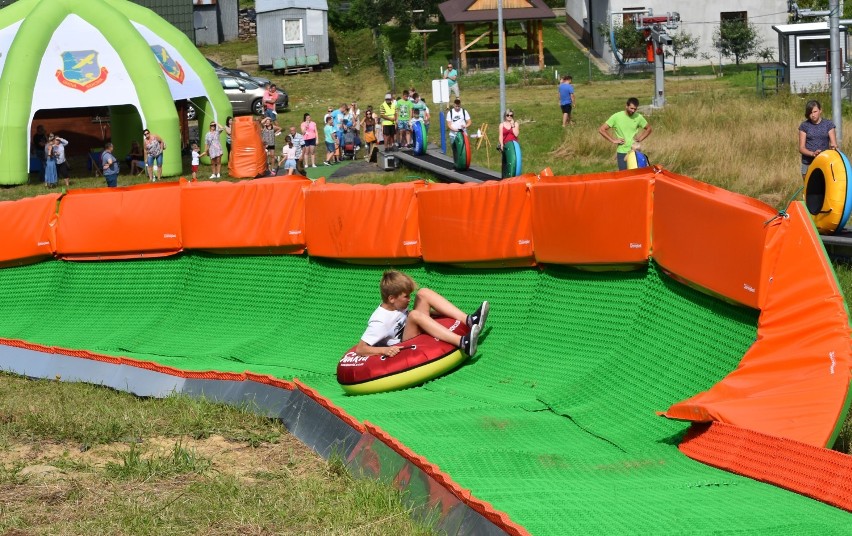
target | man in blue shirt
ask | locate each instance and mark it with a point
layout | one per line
(566, 99)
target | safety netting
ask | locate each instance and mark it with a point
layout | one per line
(553, 421)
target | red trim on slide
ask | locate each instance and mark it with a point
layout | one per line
(154, 367)
(498, 518)
(819, 473)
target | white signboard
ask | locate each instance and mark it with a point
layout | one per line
(440, 91)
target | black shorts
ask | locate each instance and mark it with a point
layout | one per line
(270, 147)
(388, 130)
(311, 142)
(566, 108)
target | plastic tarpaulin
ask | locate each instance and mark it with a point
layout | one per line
(362, 222)
(794, 380)
(28, 229)
(261, 216)
(710, 237)
(486, 224)
(118, 223)
(247, 159)
(577, 220)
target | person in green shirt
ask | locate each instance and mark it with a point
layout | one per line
(624, 128)
(403, 120)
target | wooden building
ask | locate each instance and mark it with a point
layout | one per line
(292, 35)
(475, 37)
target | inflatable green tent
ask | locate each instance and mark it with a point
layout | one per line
(61, 54)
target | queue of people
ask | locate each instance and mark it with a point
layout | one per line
(390, 125)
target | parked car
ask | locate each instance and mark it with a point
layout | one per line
(246, 97)
(221, 69)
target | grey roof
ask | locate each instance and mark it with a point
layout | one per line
(456, 11)
(263, 6)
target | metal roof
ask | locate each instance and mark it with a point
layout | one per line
(804, 28)
(263, 6)
(457, 11)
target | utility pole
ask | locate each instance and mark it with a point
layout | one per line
(656, 34)
(834, 58)
(501, 57)
(836, 67)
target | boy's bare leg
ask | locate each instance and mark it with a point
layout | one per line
(428, 300)
(420, 322)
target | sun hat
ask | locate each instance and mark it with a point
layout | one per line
(388, 96)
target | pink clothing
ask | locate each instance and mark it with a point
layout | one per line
(270, 96)
(289, 153)
(309, 130)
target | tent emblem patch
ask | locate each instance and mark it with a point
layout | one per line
(81, 70)
(170, 66)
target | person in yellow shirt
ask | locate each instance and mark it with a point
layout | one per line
(389, 115)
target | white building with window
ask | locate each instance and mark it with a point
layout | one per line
(292, 35)
(803, 51)
(700, 19)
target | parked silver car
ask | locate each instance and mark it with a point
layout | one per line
(221, 69)
(246, 97)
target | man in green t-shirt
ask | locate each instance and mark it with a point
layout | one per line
(625, 128)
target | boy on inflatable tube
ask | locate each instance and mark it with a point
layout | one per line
(392, 322)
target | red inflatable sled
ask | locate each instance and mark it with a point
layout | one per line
(423, 358)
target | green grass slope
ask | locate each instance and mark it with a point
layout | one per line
(552, 422)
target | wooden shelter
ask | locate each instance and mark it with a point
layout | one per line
(464, 14)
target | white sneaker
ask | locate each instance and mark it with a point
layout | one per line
(212, 175)
(218, 176)
(314, 165)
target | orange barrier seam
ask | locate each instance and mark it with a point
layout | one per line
(498, 518)
(822, 474)
(330, 406)
(150, 365)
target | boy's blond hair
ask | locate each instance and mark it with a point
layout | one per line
(395, 283)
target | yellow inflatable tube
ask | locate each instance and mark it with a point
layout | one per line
(827, 191)
(410, 377)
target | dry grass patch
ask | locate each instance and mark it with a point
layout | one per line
(216, 470)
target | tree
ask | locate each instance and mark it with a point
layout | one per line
(736, 38)
(626, 42)
(684, 45)
(354, 14)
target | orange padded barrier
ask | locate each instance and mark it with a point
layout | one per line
(710, 237)
(794, 380)
(259, 216)
(120, 223)
(577, 220)
(362, 222)
(28, 229)
(822, 474)
(486, 224)
(247, 159)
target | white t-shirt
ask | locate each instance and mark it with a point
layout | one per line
(458, 118)
(289, 153)
(196, 158)
(385, 327)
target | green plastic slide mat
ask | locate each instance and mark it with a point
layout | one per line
(551, 422)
